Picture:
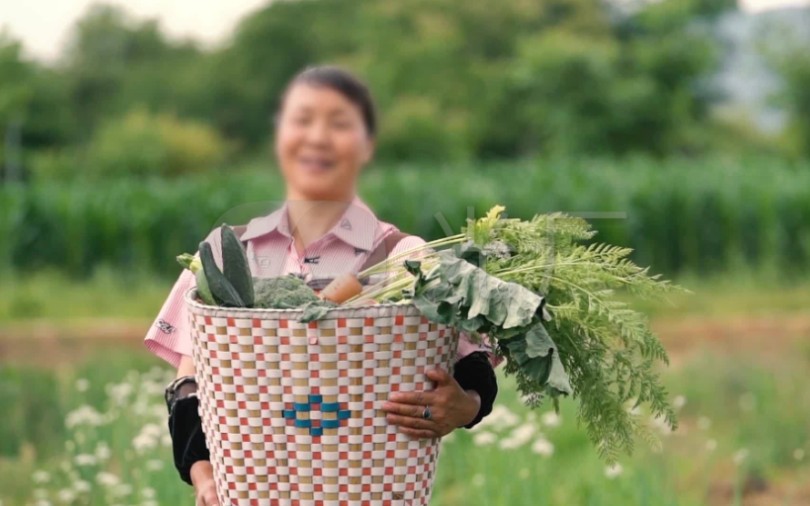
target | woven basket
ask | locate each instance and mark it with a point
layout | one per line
(291, 411)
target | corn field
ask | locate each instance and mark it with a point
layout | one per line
(679, 215)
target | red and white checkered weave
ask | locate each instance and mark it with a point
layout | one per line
(291, 411)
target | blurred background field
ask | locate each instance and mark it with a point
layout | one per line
(680, 128)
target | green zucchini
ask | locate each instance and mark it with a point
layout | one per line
(203, 290)
(235, 265)
(223, 291)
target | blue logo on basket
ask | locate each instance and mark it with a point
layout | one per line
(316, 415)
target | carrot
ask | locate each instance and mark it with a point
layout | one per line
(341, 289)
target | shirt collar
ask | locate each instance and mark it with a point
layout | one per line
(356, 227)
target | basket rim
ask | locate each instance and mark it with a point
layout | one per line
(339, 311)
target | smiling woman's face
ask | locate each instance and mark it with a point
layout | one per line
(321, 143)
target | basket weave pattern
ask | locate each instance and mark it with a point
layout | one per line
(291, 410)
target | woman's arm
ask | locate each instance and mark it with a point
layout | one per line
(191, 457)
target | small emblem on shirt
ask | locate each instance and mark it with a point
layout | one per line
(165, 327)
(312, 260)
(344, 223)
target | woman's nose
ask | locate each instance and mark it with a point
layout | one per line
(318, 133)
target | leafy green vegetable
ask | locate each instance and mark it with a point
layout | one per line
(316, 309)
(592, 344)
(459, 294)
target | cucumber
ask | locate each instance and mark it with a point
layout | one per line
(223, 291)
(235, 265)
(203, 290)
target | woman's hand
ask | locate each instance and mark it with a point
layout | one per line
(205, 490)
(450, 407)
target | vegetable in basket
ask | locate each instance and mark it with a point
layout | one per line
(547, 300)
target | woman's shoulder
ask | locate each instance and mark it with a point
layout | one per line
(397, 241)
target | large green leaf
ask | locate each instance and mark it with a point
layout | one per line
(460, 294)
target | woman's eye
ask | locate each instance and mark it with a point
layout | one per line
(342, 125)
(300, 120)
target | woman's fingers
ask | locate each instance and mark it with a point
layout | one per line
(418, 398)
(418, 433)
(207, 495)
(413, 410)
(208, 500)
(411, 422)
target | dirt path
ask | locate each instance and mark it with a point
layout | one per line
(49, 344)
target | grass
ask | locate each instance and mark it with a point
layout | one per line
(53, 296)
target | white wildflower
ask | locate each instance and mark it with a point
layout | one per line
(798, 454)
(614, 471)
(66, 495)
(84, 415)
(740, 455)
(81, 486)
(143, 443)
(499, 417)
(659, 422)
(120, 392)
(41, 477)
(154, 465)
(484, 438)
(678, 402)
(122, 489)
(711, 445)
(519, 437)
(149, 437)
(543, 447)
(704, 423)
(107, 479)
(82, 384)
(102, 451)
(551, 419)
(85, 459)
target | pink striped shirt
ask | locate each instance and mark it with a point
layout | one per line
(271, 252)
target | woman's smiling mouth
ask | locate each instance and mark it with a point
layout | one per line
(315, 164)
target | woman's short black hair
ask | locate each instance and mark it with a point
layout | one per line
(342, 81)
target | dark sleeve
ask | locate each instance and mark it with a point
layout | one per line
(475, 372)
(188, 438)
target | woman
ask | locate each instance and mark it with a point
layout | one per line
(325, 133)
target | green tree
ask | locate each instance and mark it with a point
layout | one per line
(33, 103)
(114, 63)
